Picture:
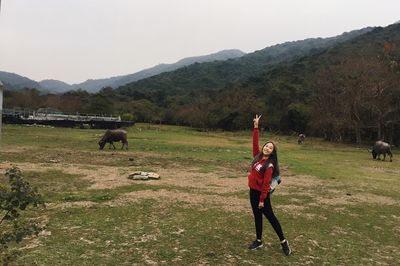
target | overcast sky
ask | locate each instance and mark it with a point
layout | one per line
(76, 40)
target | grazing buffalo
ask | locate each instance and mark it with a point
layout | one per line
(114, 135)
(301, 139)
(379, 148)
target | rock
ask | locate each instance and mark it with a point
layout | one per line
(153, 175)
(140, 175)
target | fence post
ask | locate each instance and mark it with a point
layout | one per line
(1, 107)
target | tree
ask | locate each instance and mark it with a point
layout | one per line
(100, 104)
(383, 85)
(356, 94)
(239, 106)
(14, 198)
(143, 110)
(297, 117)
(327, 106)
(26, 98)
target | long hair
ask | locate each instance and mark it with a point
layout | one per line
(273, 158)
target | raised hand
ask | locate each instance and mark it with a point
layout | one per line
(255, 120)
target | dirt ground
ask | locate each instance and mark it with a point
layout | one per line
(205, 189)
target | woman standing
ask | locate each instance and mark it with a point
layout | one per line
(264, 167)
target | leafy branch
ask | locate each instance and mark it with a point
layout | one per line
(14, 198)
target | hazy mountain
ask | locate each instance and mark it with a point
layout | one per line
(369, 45)
(14, 81)
(220, 56)
(55, 85)
(209, 71)
(94, 85)
(215, 75)
(295, 49)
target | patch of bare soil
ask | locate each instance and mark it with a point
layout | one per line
(191, 178)
(15, 149)
(100, 176)
(303, 181)
(67, 205)
(325, 193)
(103, 177)
(167, 196)
(4, 165)
(295, 210)
(380, 170)
(337, 197)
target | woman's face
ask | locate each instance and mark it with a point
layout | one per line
(268, 148)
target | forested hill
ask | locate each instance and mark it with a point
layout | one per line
(94, 85)
(13, 81)
(349, 92)
(215, 75)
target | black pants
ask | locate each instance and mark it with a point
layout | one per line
(267, 211)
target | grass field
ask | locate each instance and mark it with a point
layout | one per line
(336, 205)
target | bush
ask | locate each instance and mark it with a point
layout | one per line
(14, 198)
(127, 117)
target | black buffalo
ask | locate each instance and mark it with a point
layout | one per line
(379, 148)
(114, 135)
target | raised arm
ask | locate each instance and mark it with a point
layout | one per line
(256, 148)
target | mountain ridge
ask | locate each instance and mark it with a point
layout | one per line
(214, 75)
(115, 82)
(236, 61)
(16, 81)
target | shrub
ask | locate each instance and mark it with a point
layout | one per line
(15, 198)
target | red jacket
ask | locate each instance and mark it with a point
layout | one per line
(257, 180)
